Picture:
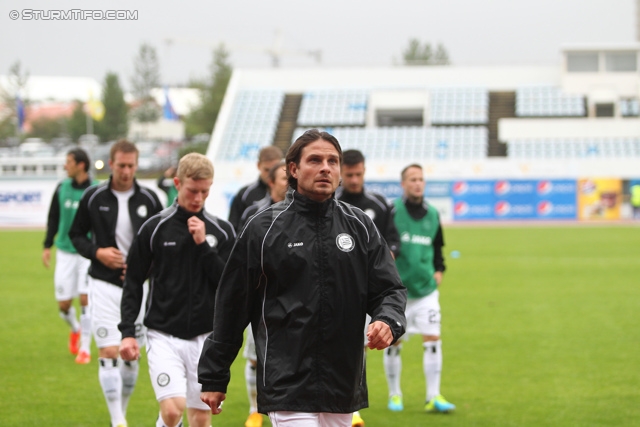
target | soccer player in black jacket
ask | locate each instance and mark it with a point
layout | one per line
(182, 251)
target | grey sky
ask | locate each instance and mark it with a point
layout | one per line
(349, 33)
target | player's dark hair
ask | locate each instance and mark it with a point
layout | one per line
(352, 157)
(295, 151)
(80, 156)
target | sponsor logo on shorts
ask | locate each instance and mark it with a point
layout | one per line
(169, 243)
(102, 332)
(370, 213)
(142, 211)
(211, 240)
(163, 380)
(103, 208)
(345, 242)
(295, 245)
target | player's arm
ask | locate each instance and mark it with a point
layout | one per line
(78, 233)
(391, 233)
(234, 300)
(53, 221)
(139, 263)
(438, 257)
(386, 297)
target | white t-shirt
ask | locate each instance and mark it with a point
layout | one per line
(124, 229)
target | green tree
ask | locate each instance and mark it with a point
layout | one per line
(16, 82)
(146, 77)
(417, 53)
(212, 90)
(48, 128)
(115, 123)
(77, 123)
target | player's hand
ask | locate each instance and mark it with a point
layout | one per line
(111, 257)
(46, 257)
(438, 277)
(214, 399)
(129, 349)
(379, 335)
(197, 229)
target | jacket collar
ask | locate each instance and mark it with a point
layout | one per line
(136, 187)
(306, 206)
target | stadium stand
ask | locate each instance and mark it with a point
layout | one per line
(425, 143)
(459, 106)
(629, 107)
(548, 101)
(573, 148)
(343, 107)
(252, 125)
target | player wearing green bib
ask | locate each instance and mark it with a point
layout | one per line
(420, 264)
(70, 277)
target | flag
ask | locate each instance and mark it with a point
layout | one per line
(94, 108)
(167, 111)
(20, 111)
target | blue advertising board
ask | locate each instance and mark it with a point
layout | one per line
(510, 199)
(514, 199)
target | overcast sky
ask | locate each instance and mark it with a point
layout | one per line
(348, 33)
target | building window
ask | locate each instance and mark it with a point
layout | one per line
(582, 62)
(605, 110)
(621, 61)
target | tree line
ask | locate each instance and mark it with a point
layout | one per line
(117, 114)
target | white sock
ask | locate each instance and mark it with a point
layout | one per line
(129, 375)
(432, 365)
(111, 383)
(252, 389)
(393, 368)
(160, 422)
(85, 330)
(70, 318)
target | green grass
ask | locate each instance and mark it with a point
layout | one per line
(539, 329)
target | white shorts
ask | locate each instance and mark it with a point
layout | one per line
(173, 367)
(309, 419)
(105, 300)
(423, 315)
(249, 351)
(71, 275)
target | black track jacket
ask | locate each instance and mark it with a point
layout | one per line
(305, 274)
(98, 213)
(183, 276)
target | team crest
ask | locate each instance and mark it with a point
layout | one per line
(163, 380)
(211, 240)
(345, 242)
(142, 211)
(102, 332)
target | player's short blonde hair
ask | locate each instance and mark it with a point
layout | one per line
(194, 166)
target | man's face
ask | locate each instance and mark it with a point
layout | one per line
(318, 173)
(192, 193)
(353, 178)
(72, 168)
(413, 184)
(279, 186)
(123, 166)
(265, 167)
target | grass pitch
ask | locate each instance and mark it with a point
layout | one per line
(539, 329)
